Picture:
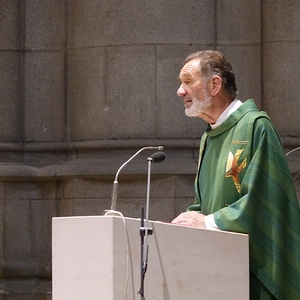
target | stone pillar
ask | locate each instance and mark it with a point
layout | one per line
(281, 73)
(238, 36)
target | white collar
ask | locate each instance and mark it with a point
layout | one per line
(233, 106)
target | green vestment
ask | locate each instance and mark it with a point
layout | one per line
(244, 180)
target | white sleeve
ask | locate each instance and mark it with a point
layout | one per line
(210, 223)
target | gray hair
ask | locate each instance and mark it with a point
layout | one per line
(213, 62)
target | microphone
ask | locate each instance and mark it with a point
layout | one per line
(115, 183)
(157, 157)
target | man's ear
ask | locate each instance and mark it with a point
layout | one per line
(216, 84)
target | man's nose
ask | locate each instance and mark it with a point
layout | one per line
(181, 91)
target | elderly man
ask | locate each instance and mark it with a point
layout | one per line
(243, 183)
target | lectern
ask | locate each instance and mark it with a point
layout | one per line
(98, 258)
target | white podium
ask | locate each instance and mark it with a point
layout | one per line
(98, 258)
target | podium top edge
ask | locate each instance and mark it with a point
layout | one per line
(153, 223)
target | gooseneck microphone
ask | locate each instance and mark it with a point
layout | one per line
(115, 183)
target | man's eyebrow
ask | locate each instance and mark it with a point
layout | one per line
(184, 75)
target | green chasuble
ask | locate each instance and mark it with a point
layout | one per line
(244, 180)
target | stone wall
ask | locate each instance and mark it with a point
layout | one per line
(85, 84)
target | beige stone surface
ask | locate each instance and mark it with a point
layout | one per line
(85, 84)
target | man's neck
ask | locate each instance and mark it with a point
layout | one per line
(234, 105)
(213, 112)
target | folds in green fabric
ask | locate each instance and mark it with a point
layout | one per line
(244, 180)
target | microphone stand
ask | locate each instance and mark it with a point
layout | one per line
(143, 266)
(144, 232)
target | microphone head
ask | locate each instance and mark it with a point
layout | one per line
(157, 157)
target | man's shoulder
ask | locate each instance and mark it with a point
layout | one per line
(251, 113)
(255, 121)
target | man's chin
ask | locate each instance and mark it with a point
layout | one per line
(191, 113)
